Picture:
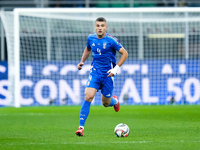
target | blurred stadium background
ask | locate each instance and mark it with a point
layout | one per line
(164, 51)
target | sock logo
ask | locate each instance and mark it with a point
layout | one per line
(81, 119)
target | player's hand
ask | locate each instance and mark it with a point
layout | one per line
(112, 72)
(79, 66)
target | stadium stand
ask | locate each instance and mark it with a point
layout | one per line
(99, 3)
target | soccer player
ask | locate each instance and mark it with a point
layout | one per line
(103, 69)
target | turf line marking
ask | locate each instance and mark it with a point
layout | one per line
(110, 142)
(116, 142)
(78, 143)
(23, 114)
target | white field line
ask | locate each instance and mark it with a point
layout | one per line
(116, 142)
(23, 114)
(79, 143)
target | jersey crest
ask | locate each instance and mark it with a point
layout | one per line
(104, 45)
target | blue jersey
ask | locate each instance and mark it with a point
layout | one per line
(103, 51)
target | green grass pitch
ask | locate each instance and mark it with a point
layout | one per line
(151, 128)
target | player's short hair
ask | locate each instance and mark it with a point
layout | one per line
(100, 19)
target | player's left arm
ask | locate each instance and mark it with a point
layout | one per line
(124, 55)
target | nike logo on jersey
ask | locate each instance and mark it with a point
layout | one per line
(93, 44)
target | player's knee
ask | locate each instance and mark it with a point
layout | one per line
(105, 104)
(88, 97)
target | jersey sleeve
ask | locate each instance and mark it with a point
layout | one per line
(88, 43)
(116, 44)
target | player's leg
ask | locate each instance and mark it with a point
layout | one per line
(112, 101)
(107, 98)
(85, 109)
(92, 86)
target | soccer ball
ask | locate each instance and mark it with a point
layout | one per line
(121, 130)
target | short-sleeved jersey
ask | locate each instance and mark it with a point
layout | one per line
(103, 51)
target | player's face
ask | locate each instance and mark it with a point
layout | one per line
(100, 28)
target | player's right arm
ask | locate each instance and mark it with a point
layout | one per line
(85, 55)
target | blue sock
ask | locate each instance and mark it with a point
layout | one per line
(113, 102)
(85, 109)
